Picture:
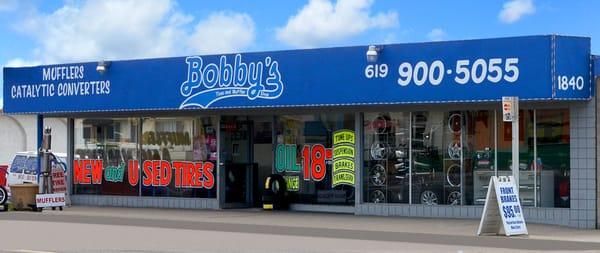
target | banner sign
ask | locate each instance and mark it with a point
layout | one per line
(59, 180)
(502, 208)
(180, 174)
(532, 68)
(50, 200)
(343, 158)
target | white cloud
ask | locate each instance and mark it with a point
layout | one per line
(19, 62)
(222, 32)
(321, 21)
(124, 29)
(436, 34)
(8, 5)
(514, 10)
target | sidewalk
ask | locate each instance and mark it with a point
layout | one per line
(417, 230)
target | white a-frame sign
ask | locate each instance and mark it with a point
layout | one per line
(502, 209)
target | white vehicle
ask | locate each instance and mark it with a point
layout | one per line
(23, 167)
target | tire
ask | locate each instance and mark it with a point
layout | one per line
(454, 198)
(274, 192)
(276, 185)
(378, 175)
(429, 197)
(377, 196)
(3, 196)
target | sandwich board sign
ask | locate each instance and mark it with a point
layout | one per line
(502, 209)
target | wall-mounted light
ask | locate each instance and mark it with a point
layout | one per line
(373, 53)
(102, 66)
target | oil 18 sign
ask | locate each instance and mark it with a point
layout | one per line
(313, 157)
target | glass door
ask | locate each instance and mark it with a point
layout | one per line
(236, 161)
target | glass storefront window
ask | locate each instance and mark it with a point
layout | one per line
(481, 155)
(179, 157)
(386, 168)
(104, 149)
(527, 176)
(438, 150)
(553, 157)
(315, 154)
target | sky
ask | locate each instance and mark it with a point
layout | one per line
(35, 32)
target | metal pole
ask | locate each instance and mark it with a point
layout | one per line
(40, 137)
(515, 144)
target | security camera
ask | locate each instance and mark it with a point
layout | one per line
(102, 66)
(101, 69)
(372, 53)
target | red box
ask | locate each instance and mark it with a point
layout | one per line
(3, 173)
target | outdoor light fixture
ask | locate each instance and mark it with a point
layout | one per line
(373, 53)
(102, 66)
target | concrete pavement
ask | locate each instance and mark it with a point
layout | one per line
(250, 227)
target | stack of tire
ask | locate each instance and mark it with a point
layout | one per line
(275, 193)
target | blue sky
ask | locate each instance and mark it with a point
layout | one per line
(43, 32)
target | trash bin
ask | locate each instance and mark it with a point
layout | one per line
(23, 196)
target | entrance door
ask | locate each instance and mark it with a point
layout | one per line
(246, 159)
(236, 161)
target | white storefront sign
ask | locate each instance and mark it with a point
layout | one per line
(502, 209)
(509, 108)
(50, 200)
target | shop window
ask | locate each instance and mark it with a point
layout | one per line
(439, 158)
(527, 176)
(446, 149)
(315, 154)
(386, 158)
(178, 157)
(553, 157)
(104, 152)
(480, 155)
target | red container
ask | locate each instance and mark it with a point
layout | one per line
(3, 173)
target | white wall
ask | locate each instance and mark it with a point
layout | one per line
(19, 133)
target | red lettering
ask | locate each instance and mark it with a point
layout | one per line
(189, 174)
(78, 167)
(198, 175)
(165, 168)
(156, 173)
(133, 172)
(178, 166)
(96, 171)
(209, 178)
(147, 169)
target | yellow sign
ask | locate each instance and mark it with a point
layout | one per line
(343, 158)
(343, 177)
(343, 151)
(343, 164)
(343, 136)
(293, 183)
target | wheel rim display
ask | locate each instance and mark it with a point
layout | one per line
(455, 123)
(453, 175)
(377, 196)
(454, 198)
(454, 150)
(378, 175)
(380, 125)
(379, 151)
(429, 198)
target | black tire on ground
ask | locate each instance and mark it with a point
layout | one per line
(3, 196)
(275, 192)
(277, 185)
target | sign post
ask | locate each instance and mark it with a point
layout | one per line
(502, 209)
(510, 113)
